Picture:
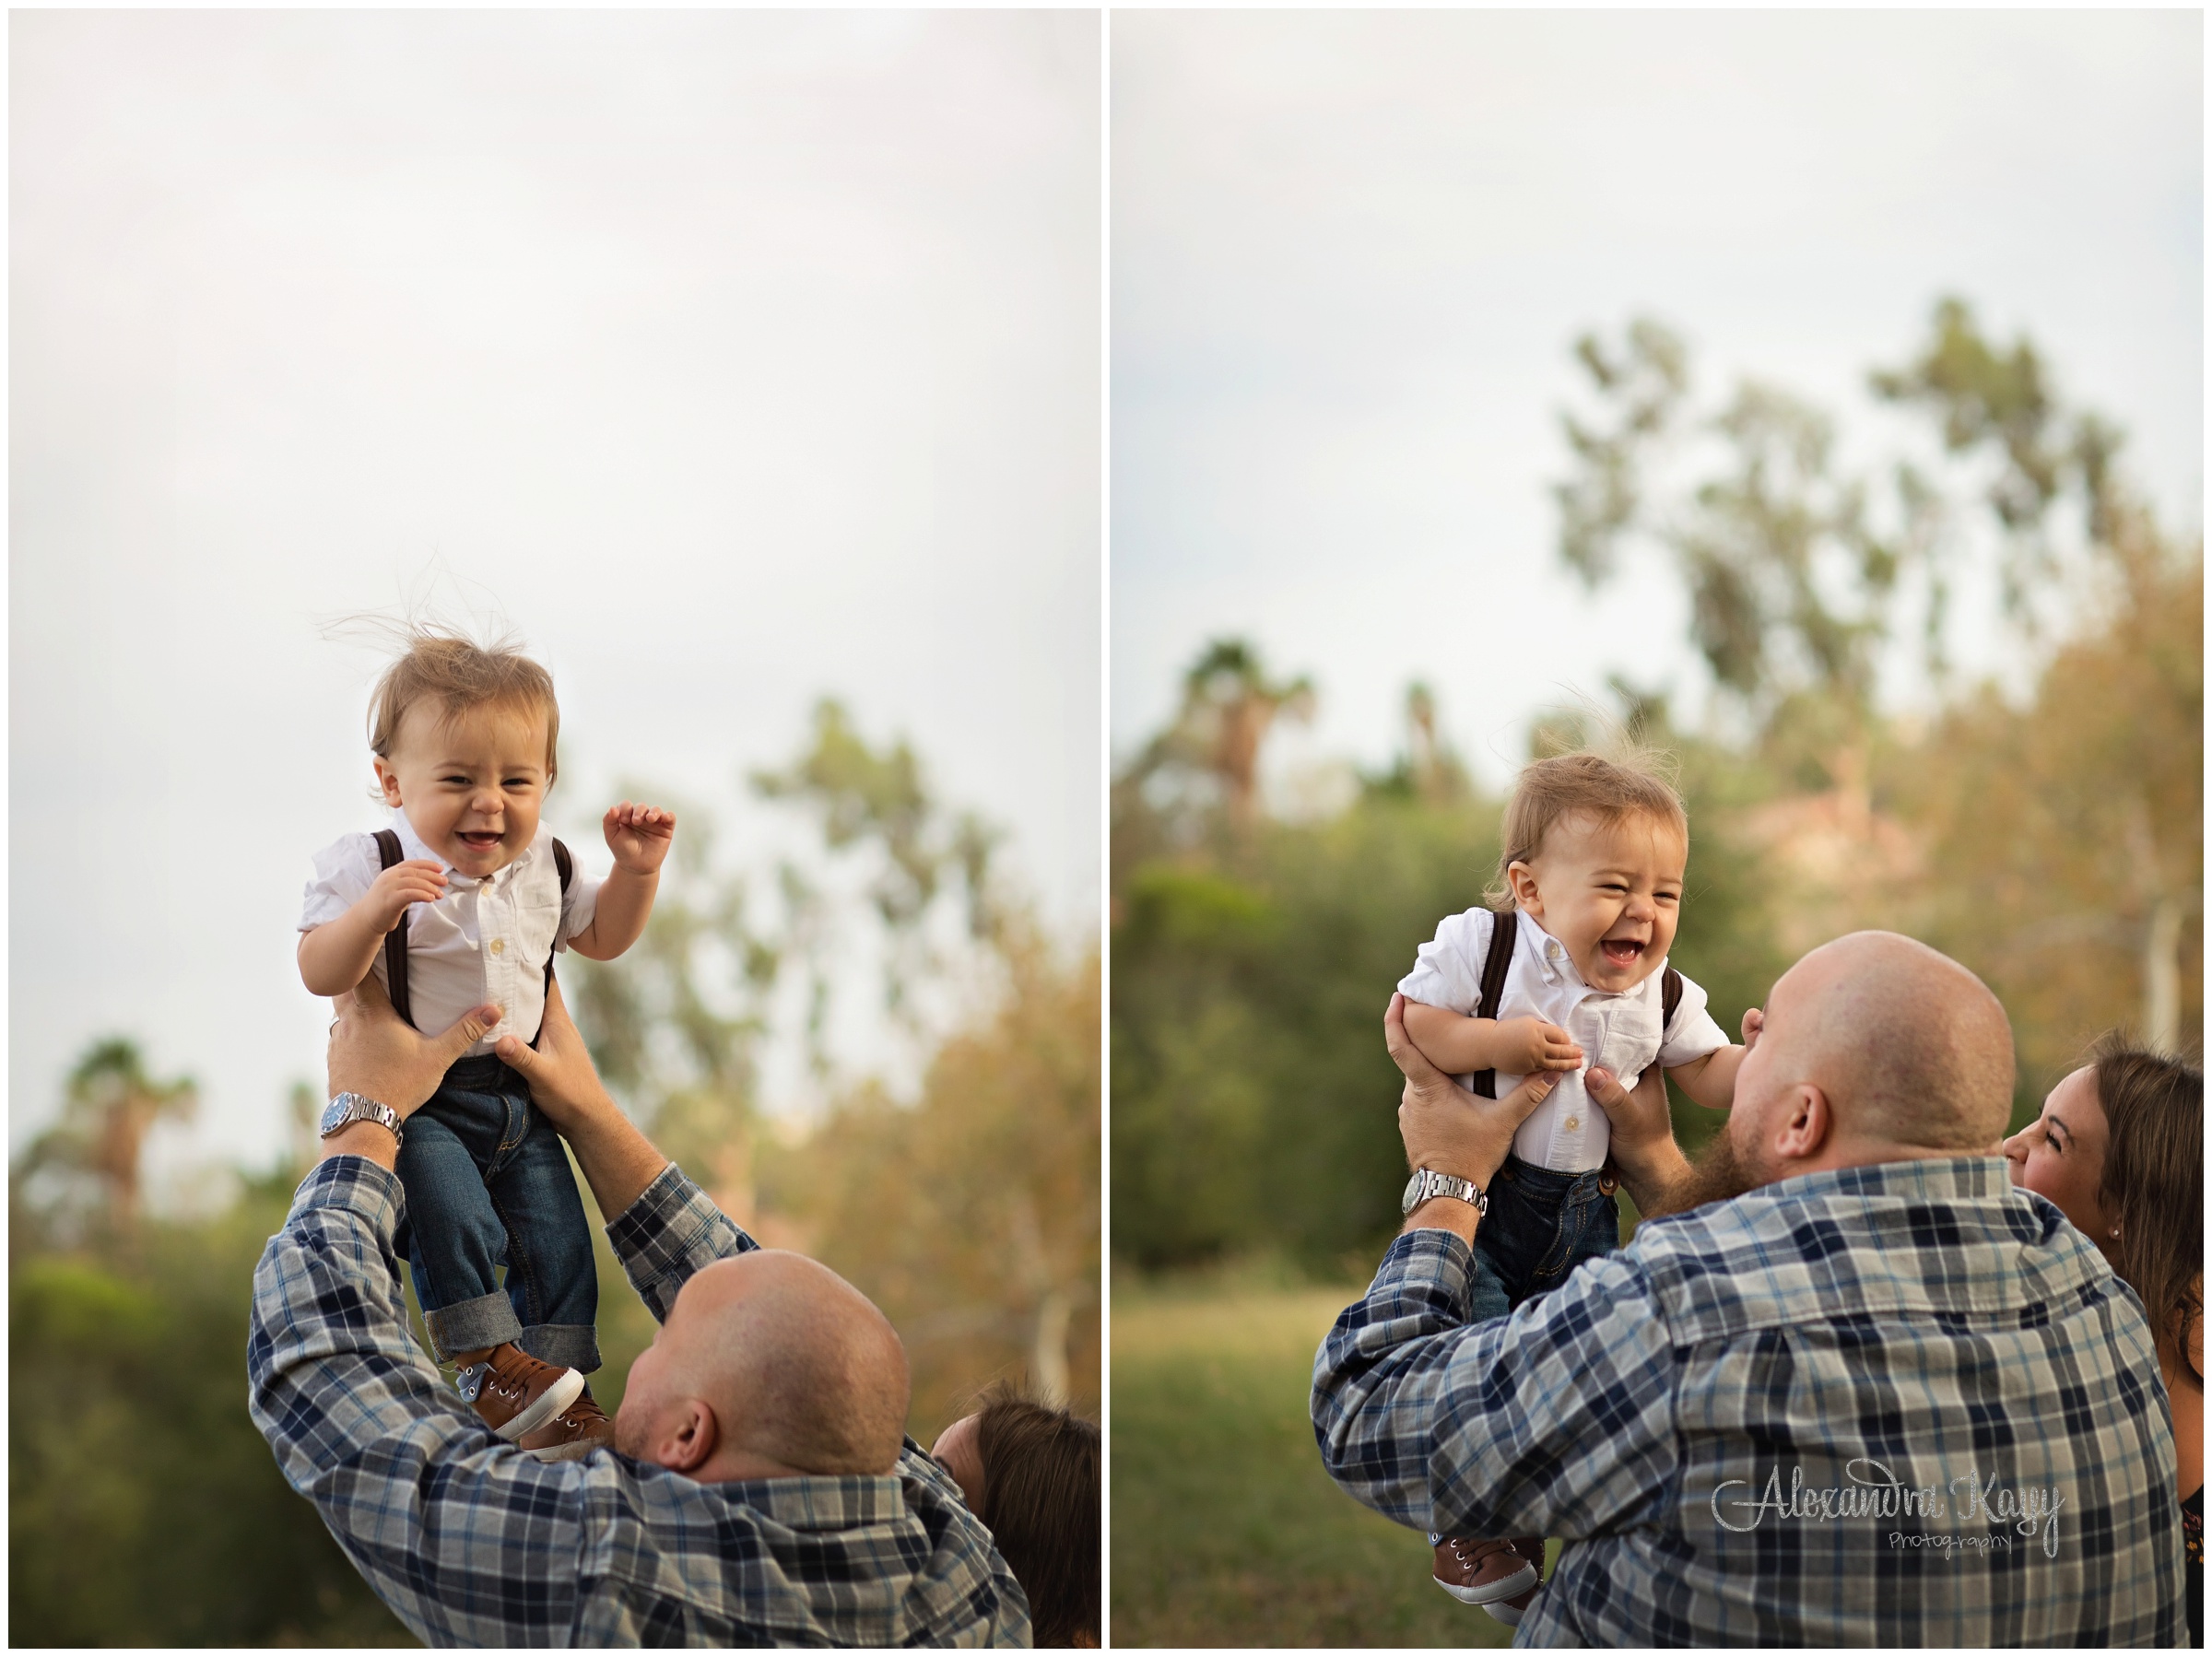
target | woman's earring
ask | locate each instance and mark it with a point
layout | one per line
(2115, 1230)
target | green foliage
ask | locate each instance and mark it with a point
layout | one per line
(144, 1508)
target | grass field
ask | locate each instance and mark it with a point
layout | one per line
(1226, 1530)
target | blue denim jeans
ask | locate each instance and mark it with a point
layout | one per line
(1540, 1227)
(488, 1184)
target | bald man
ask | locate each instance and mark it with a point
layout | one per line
(761, 1490)
(1845, 1386)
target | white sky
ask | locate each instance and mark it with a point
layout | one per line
(734, 357)
(1350, 252)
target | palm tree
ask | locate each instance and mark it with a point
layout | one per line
(111, 1105)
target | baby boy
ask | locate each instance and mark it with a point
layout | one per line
(462, 901)
(1567, 971)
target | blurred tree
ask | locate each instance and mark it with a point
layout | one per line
(865, 799)
(1430, 768)
(971, 1217)
(144, 1509)
(2067, 835)
(1211, 751)
(1790, 585)
(109, 1107)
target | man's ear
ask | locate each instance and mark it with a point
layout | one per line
(1522, 881)
(388, 779)
(1807, 1121)
(687, 1436)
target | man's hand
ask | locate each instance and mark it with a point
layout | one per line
(618, 1161)
(376, 1053)
(419, 880)
(639, 836)
(1529, 1045)
(563, 1083)
(1450, 1129)
(1643, 1135)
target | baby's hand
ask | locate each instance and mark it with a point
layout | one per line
(1755, 1020)
(639, 836)
(422, 880)
(1531, 1045)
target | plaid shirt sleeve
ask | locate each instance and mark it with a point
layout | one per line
(469, 1541)
(1555, 1421)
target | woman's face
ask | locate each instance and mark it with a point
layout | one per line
(959, 1450)
(2061, 1154)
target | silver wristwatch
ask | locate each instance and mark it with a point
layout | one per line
(352, 1107)
(1427, 1182)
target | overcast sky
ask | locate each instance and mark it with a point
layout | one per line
(733, 358)
(1350, 252)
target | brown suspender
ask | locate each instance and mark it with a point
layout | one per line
(1505, 930)
(395, 941)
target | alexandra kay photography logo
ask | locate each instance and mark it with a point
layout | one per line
(1871, 1491)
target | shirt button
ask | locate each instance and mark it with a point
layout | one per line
(1573, 1124)
(499, 946)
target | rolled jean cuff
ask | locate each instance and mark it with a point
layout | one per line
(572, 1345)
(472, 1325)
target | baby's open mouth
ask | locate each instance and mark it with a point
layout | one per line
(480, 839)
(1622, 952)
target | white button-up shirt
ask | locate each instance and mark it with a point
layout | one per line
(485, 940)
(1619, 1031)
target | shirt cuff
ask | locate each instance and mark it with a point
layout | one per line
(1431, 1256)
(357, 1184)
(671, 1231)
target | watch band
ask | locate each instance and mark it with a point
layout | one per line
(350, 1108)
(1427, 1182)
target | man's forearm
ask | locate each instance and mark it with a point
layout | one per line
(618, 1161)
(1444, 1214)
(1652, 1177)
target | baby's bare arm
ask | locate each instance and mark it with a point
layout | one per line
(338, 954)
(639, 836)
(625, 905)
(1458, 1044)
(1711, 1081)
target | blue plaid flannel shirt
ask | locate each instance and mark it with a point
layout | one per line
(474, 1543)
(1902, 1404)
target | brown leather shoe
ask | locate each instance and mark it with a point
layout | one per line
(1510, 1609)
(1477, 1572)
(574, 1433)
(515, 1394)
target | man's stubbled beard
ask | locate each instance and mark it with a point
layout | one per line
(1715, 1177)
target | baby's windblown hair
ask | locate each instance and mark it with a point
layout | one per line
(442, 662)
(1619, 779)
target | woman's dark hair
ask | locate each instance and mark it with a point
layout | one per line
(2154, 1185)
(1041, 1500)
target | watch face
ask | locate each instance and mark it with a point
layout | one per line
(1413, 1191)
(334, 1114)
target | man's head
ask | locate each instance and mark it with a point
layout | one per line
(768, 1365)
(1873, 1049)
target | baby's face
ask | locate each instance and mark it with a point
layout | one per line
(1611, 892)
(471, 783)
